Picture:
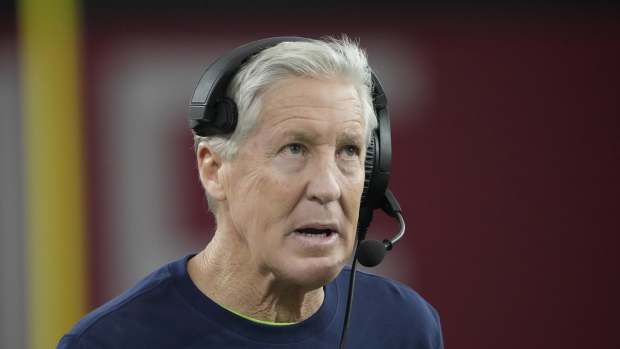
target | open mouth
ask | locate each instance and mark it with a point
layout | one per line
(312, 232)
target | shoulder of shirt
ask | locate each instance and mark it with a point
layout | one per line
(155, 280)
(394, 297)
(386, 301)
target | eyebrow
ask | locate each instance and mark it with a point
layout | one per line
(309, 137)
(298, 136)
(349, 137)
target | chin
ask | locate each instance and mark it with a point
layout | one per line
(311, 272)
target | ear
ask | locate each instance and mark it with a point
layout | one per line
(210, 171)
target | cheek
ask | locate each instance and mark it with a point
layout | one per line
(354, 201)
(354, 183)
(353, 189)
(259, 200)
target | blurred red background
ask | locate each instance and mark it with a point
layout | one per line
(505, 137)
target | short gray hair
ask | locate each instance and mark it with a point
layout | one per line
(327, 58)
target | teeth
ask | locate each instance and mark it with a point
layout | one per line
(314, 232)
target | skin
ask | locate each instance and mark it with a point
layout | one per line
(301, 166)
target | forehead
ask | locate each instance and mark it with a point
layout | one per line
(309, 103)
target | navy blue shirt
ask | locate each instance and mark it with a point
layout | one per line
(166, 310)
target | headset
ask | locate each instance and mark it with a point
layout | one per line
(211, 113)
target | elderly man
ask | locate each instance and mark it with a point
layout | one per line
(284, 182)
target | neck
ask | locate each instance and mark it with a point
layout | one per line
(225, 272)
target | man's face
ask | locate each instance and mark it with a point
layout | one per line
(293, 191)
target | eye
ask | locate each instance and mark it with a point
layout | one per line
(350, 152)
(294, 149)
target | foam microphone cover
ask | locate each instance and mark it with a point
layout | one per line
(370, 252)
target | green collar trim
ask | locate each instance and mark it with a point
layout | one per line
(262, 322)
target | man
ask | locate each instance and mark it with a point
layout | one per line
(285, 188)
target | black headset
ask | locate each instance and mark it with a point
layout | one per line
(211, 113)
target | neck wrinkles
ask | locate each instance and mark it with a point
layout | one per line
(225, 273)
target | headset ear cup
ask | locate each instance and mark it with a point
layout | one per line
(226, 119)
(369, 165)
(366, 206)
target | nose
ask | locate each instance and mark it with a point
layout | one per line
(323, 186)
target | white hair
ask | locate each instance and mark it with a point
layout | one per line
(324, 59)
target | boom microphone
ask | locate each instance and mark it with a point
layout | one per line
(371, 252)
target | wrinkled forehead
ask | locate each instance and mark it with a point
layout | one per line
(299, 99)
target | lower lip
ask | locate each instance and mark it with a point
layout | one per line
(315, 240)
